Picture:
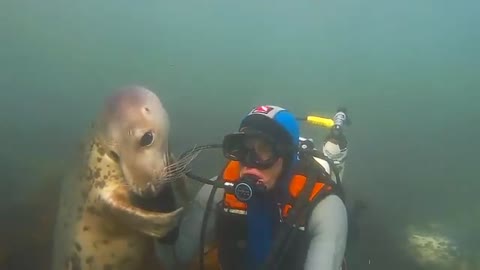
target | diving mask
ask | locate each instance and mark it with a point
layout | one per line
(252, 149)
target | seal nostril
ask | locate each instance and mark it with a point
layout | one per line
(147, 109)
(113, 156)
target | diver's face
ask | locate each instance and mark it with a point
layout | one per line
(268, 176)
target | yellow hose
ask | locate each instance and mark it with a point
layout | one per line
(320, 121)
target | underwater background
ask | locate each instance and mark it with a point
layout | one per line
(408, 72)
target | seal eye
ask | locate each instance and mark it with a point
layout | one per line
(147, 139)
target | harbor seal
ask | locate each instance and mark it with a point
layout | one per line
(113, 206)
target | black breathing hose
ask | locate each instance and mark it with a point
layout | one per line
(215, 184)
(204, 224)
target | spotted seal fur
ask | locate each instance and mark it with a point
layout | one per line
(107, 217)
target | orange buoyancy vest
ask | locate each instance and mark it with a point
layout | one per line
(231, 204)
(290, 233)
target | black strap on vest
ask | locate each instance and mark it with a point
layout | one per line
(206, 214)
(300, 206)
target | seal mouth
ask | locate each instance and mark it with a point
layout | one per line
(162, 202)
(171, 172)
(150, 191)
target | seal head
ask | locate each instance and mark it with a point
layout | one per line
(104, 220)
(135, 128)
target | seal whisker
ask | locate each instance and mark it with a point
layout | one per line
(173, 171)
(157, 185)
(172, 178)
(177, 168)
(185, 160)
(170, 173)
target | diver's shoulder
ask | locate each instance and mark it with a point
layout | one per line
(331, 201)
(329, 214)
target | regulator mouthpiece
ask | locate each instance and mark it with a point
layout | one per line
(247, 187)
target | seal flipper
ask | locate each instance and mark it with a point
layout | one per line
(164, 201)
(153, 223)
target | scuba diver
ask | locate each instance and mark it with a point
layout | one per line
(280, 207)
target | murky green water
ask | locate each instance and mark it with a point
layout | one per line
(407, 71)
